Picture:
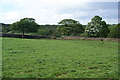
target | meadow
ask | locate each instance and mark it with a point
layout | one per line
(45, 58)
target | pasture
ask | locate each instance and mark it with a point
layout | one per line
(45, 58)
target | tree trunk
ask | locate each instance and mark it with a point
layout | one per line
(23, 34)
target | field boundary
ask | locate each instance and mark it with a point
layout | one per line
(90, 38)
(25, 36)
(54, 37)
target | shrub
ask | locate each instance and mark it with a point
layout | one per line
(115, 31)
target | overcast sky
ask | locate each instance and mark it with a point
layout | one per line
(53, 11)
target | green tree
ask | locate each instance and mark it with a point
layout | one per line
(70, 27)
(25, 25)
(43, 31)
(5, 29)
(68, 21)
(115, 31)
(97, 28)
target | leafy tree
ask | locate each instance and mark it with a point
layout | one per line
(68, 21)
(97, 28)
(47, 30)
(25, 25)
(5, 29)
(43, 31)
(115, 31)
(70, 27)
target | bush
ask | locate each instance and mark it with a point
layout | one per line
(84, 35)
(97, 28)
(115, 31)
(43, 32)
(6, 29)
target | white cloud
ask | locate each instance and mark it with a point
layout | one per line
(10, 16)
(49, 11)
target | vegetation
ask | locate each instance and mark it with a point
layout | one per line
(46, 30)
(66, 27)
(25, 25)
(33, 58)
(70, 27)
(97, 28)
(0, 58)
(115, 31)
(6, 29)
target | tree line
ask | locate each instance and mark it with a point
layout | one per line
(66, 27)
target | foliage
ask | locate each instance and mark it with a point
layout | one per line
(44, 31)
(115, 31)
(25, 25)
(97, 28)
(32, 58)
(70, 27)
(68, 21)
(84, 35)
(6, 29)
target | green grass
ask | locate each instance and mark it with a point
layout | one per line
(37, 58)
(0, 58)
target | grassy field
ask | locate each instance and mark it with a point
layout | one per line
(37, 58)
